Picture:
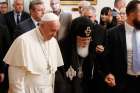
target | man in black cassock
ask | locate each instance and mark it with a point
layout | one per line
(87, 71)
(82, 61)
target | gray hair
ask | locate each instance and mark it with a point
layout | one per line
(87, 8)
(50, 17)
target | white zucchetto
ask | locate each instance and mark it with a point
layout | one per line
(50, 17)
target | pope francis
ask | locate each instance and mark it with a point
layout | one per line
(34, 57)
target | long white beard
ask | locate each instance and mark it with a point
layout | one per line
(83, 51)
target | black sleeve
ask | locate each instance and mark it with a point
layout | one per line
(17, 32)
(4, 45)
(101, 64)
(109, 48)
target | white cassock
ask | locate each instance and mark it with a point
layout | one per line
(32, 63)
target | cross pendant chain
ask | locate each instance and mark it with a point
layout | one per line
(49, 68)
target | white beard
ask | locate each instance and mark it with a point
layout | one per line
(83, 51)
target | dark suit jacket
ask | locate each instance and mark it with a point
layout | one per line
(2, 20)
(23, 27)
(4, 44)
(99, 34)
(99, 38)
(117, 53)
(11, 23)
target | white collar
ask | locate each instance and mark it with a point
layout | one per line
(34, 21)
(39, 34)
(128, 27)
(15, 13)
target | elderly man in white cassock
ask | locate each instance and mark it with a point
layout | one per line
(34, 57)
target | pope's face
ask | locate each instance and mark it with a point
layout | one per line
(50, 29)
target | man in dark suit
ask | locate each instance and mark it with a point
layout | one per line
(4, 45)
(37, 10)
(16, 16)
(125, 77)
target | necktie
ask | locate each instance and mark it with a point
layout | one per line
(136, 53)
(18, 19)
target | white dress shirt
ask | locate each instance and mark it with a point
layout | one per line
(34, 21)
(15, 16)
(129, 32)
